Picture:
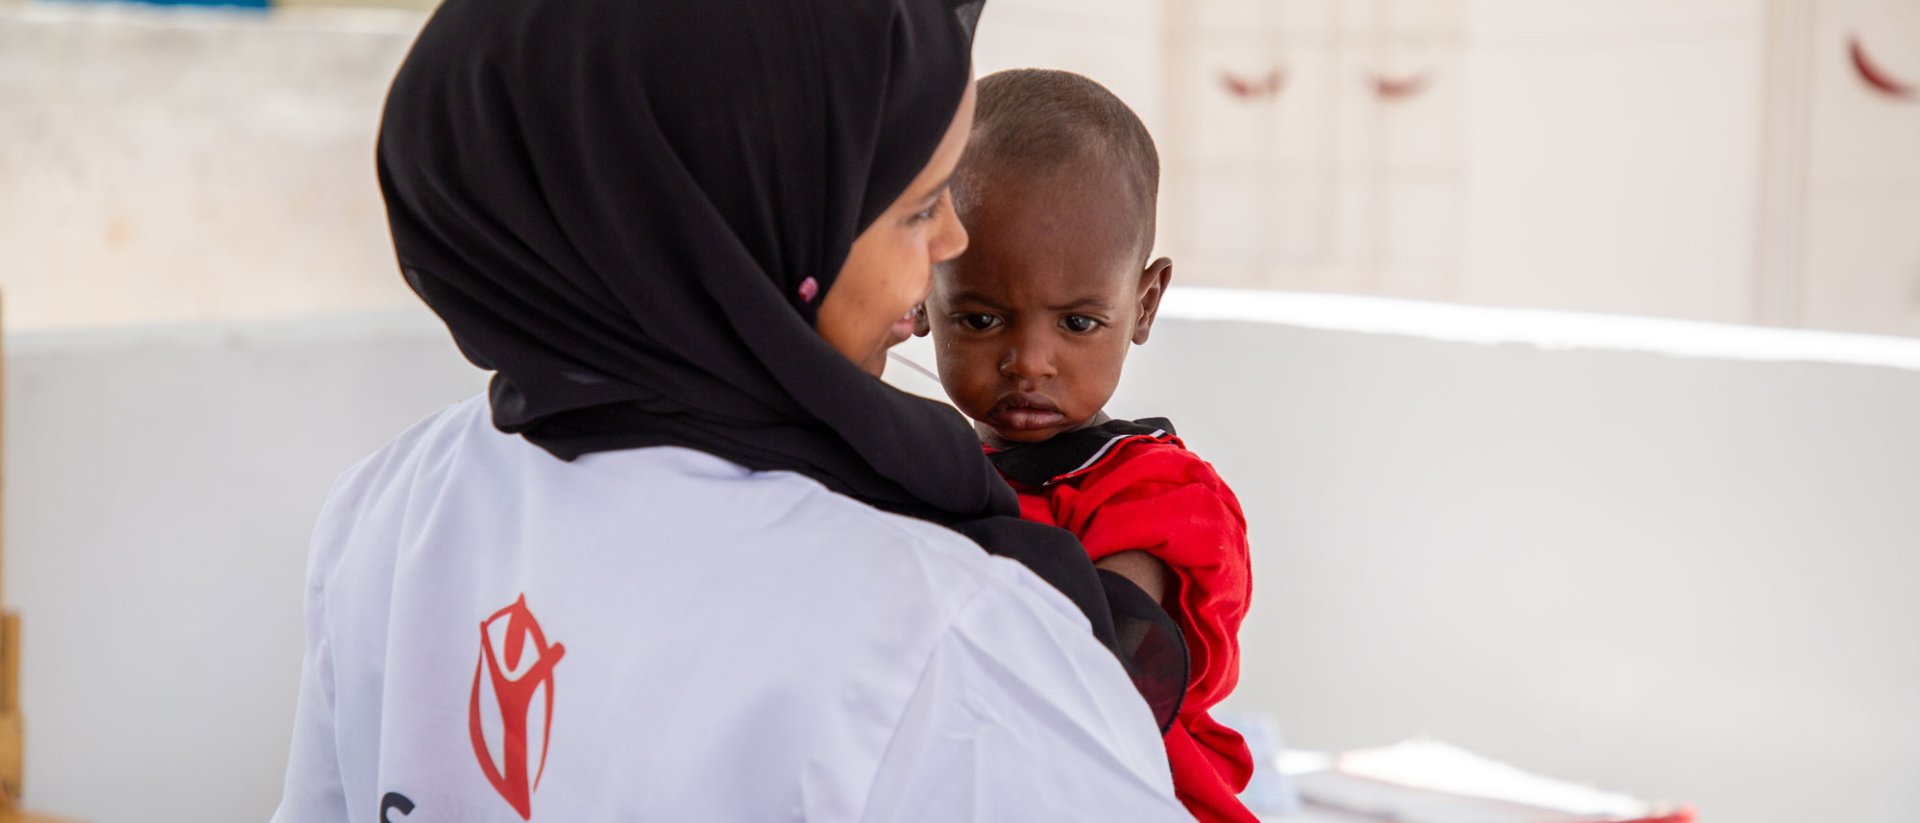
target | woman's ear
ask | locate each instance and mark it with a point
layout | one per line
(1153, 285)
(921, 327)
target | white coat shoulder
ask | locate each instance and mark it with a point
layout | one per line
(702, 642)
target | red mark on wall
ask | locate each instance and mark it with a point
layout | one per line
(1875, 77)
(1399, 88)
(1254, 88)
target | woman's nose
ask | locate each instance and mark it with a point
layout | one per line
(950, 240)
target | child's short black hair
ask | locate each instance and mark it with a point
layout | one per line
(1038, 120)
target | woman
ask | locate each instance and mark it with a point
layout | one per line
(689, 560)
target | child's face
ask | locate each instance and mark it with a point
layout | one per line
(1033, 323)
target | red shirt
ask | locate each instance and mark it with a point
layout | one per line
(1136, 486)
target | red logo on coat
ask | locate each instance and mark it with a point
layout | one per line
(512, 706)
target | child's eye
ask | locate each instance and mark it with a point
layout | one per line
(978, 322)
(1079, 323)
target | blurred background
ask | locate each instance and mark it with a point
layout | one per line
(1563, 354)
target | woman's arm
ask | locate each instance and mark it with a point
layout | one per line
(1019, 714)
(314, 790)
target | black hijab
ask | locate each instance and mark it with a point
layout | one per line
(617, 206)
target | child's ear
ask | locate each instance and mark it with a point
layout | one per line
(921, 327)
(1153, 286)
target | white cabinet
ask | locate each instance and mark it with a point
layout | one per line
(1286, 165)
(1861, 265)
(1716, 160)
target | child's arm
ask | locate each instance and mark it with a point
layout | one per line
(1142, 569)
(1172, 506)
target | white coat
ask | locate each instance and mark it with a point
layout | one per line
(662, 635)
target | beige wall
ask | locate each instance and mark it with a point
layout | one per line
(1615, 156)
(1860, 264)
(165, 165)
(1712, 160)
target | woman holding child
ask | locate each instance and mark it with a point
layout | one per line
(689, 559)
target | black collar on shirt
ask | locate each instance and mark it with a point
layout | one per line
(1070, 454)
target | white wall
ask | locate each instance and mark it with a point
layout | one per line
(159, 488)
(1690, 578)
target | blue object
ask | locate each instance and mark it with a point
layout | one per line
(231, 4)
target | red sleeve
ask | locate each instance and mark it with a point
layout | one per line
(1168, 502)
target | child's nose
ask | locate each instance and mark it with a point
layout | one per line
(1028, 360)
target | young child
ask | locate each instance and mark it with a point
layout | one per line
(1031, 326)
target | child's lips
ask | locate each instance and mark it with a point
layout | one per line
(1025, 412)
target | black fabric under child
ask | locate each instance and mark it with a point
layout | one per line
(614, 205)
(1039, 464)
(1149, 638)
